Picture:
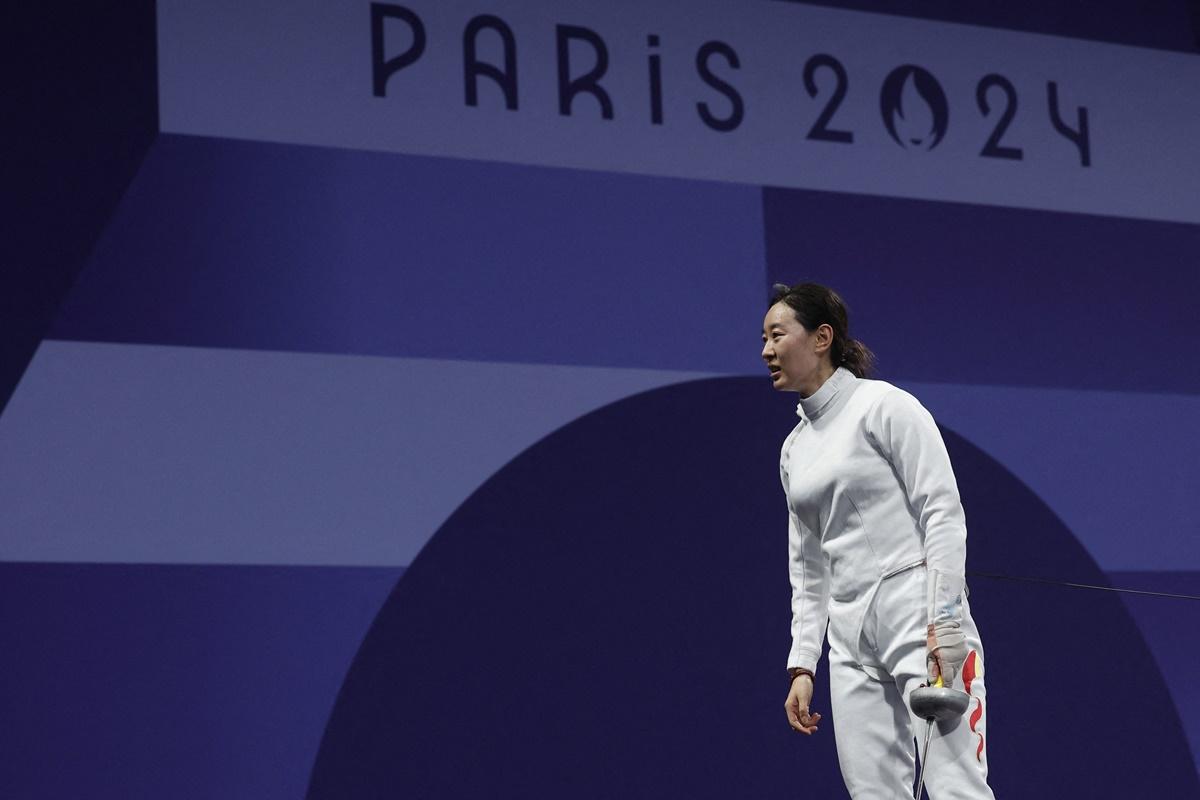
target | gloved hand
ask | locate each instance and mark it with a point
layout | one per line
(945, 651)
(945, 644)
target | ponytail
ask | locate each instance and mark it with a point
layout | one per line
(857, 358)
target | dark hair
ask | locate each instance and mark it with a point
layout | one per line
(816, 305)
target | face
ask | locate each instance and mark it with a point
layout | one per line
(797, 358)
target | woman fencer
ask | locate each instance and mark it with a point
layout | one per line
(877, 553)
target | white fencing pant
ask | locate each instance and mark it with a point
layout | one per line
(875, 730)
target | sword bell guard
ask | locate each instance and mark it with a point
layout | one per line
(938, 703)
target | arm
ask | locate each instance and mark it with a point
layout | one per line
(810, 594)
(908, 437)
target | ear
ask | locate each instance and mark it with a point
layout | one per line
(824, 338)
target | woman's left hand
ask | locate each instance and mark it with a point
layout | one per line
(945, 651)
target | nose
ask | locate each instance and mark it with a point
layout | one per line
(767, 351)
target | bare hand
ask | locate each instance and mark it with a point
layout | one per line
(799, 696)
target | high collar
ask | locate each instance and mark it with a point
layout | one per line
(819, 401)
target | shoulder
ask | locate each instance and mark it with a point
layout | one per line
(885, 397)
(870, 391)
(892, 411)
(873, 398)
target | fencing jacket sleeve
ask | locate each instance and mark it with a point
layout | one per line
(906, 435)
(810, 584)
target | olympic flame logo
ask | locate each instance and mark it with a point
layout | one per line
(914, 107)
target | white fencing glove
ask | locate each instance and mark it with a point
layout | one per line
(945, 643)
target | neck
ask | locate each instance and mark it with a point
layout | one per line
(818, 379)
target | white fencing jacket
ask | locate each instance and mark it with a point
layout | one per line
(870, 493)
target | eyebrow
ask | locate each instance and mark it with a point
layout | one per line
(773, 326)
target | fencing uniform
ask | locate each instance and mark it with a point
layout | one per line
(874, 511)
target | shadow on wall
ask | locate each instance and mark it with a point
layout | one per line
(608, 617)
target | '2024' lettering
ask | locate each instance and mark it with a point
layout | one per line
(915, 88)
